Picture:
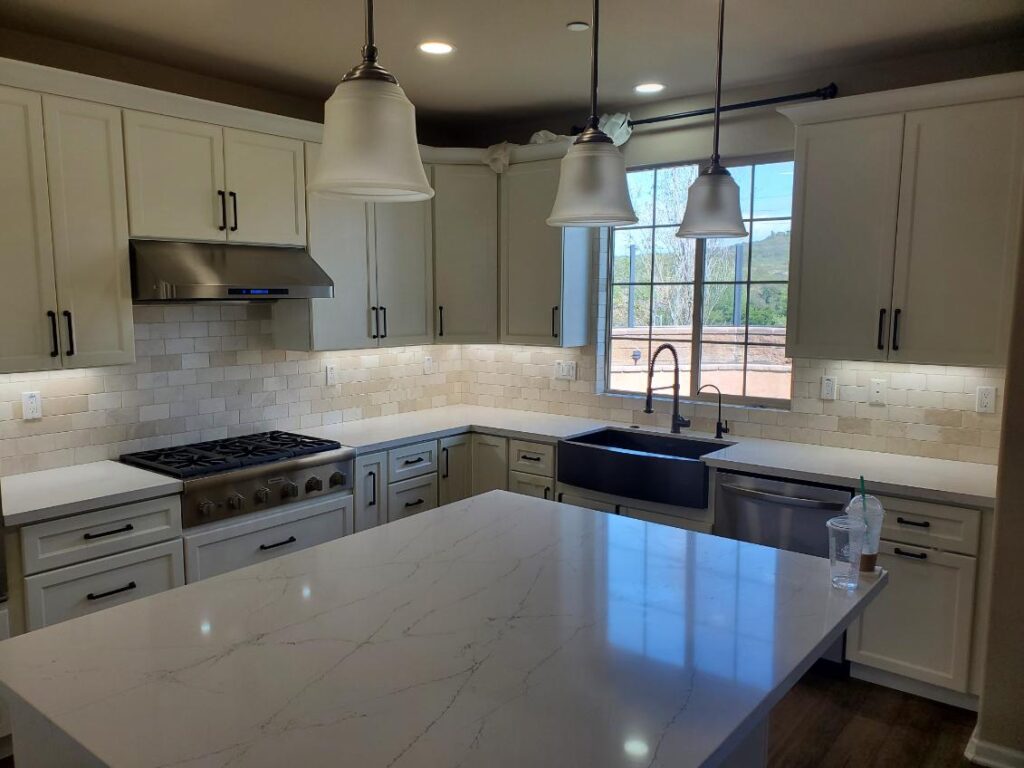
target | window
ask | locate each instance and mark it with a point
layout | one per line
(720, 303)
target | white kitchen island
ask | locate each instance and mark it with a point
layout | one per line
(502, 630)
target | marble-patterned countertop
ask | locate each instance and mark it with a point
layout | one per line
(503, 630)
(36, 496)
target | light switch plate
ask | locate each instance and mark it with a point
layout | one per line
(565, 370)
(876, 392)
(829, 386)
(31, 405)
(332, 374)
(428, 364)
(986, 400)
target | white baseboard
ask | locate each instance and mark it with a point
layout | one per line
(992, 755)
(915, 687)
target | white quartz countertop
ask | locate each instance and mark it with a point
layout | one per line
(499, 631)
(36, 496)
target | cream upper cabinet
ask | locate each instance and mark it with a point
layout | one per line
(266, 183)
(175, 178)
(545, 271)
(89, 211)
(455, 470)
(466, 253)
(845, 197)
(959, 233)
(28, 298)
(195, 181)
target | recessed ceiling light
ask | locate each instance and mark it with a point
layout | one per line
(436, 48)
(649, 88)
(578, 26)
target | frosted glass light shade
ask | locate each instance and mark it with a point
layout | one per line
(592, 189)
(369, 148)
(713, 207)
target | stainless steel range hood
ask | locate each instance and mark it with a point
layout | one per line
(176, 271)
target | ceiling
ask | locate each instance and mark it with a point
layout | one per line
(514, 56)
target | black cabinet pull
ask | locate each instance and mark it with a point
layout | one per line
(554, 328)
(527, 457)
(896, 329)
(445, 452)
(376, 323)
(915, 555)
(123, 529)
(373, 484)
(417, 460)
(881, 327)
(440, 317)
(223, 209)
(414, 503)
(234, 208)
(54, 340)
(560, 496)
(918, 524)
(384, 314)
(71, 333)
(547, 492)
(289, 540)
(100, 595)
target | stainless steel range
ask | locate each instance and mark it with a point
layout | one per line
(240, 475)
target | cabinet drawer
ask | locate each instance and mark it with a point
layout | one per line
(219, 547)
(70, 540)
(701, 526)
(412, 460)
(533, 458)
(77, 590)
(531, 485)
(412, 496)
(953, 529)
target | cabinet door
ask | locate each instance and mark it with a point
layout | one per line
(175, 178)
(530, 485)
(266, 183)
(531, 255)
(466, 253)
(845, 194)
(338, 241)
(371, 491)
(490, 463)
(455, 470)
(28, 298)
(580, 500)
(920, 625)
(701, 526)
(89, 209)
(405, 273)
(959, 233)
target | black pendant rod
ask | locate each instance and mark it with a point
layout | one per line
(828, 92)
(718, 82)
(593, 65)
(369, 23)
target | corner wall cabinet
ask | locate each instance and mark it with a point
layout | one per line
(905, 237)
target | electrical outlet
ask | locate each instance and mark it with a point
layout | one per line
(31, 405)
(428, 364)
(559, 370)
(829, 386)
(986, 400)
(876, 392)
(332, 374)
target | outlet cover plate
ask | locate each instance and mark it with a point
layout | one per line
(876, 392)
(986, 400)
(332, 374)
(31, 405)
(829, 387)
(428, 364)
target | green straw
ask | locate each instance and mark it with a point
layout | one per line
(863, 496)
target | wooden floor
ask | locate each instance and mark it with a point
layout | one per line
(830, 722)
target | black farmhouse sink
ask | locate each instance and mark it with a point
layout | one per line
(638, 465)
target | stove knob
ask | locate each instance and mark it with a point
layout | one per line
(337, 478)
(236, 501)
(289, 491)
(314, 484)
(262, 495)
(206, 507)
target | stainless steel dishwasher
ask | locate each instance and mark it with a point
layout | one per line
(781, 514)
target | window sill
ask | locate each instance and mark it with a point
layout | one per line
(780, 406)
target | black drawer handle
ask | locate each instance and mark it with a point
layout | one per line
(881, 327)
(528, 457)
(560, 496)
(54, 341)
(440, 317)
(896, 329)
(547, 492)
(123, 529)
(223, 209)
(915, 555)
(373, 484)
(289, 540)
(99, 596)
(554, 322)
(234, 207)
(417, 460)
(915, 523)
(414, 503)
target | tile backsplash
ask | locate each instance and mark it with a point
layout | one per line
(207, 371)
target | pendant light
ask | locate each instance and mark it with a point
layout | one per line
(592, 189)
(713, 200)
(369, 148)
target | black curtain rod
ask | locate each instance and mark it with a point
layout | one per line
(828, 92)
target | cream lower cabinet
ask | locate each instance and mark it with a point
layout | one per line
(66, 297)
(531, 485)
(581, 498)
(455, 473)
(675, 521)
(370, 491)
(490, 463)
(412, 496)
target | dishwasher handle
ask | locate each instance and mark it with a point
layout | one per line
(790, 501)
